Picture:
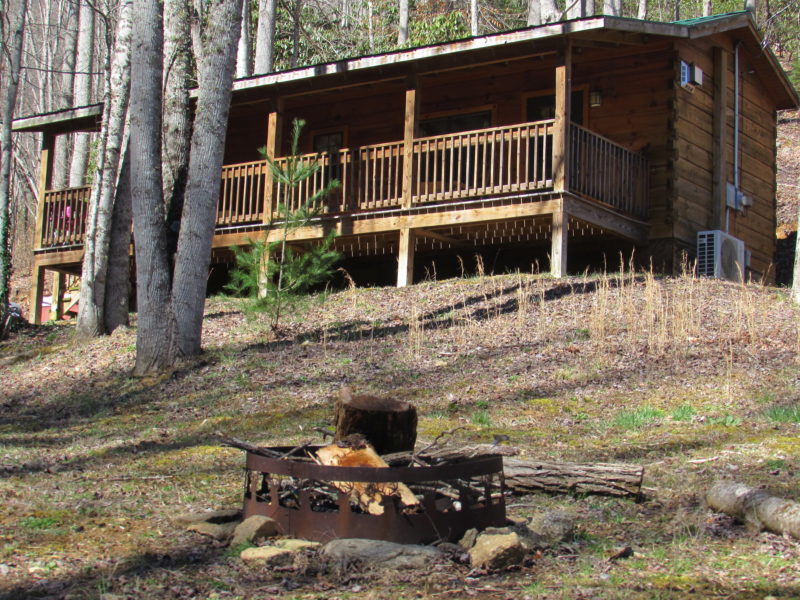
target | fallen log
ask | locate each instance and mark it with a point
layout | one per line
(524, 476)
(755, 507)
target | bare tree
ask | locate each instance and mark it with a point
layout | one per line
(265, 38)
(244, 55)
(473, 17)
(297, 11)
(82, 92)
(91, 313)
(612, 8)
(66, 99)
(402, 27)
(177, 127)
(641, 13)
(708, 8)
(796, 274)
(171, 316)
(15, 63)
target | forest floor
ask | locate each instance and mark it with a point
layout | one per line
(693, 379)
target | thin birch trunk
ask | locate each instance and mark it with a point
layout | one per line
(265, 39)
(642, 12)
(66, 97)
(10, 100)
(119, 265)
(473, 17)
(549, 11)
(91, 318)
(154, 334)
(402, 27)
(370, 28)
(208, 144)
(796, 273)
(83, 91)
(708, 8)
(244, 55)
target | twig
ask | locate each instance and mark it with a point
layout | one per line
(302, 446)
(234, 443)
(435, 442)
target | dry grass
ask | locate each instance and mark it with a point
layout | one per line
(695, 379)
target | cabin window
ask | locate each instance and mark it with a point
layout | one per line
(455, 123)
(541, 108)
(329, 142)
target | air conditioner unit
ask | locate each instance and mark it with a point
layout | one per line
(720, 255)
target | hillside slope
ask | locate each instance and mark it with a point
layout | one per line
(694, 379)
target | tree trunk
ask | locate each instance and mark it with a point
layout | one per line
(402, 27)
(244, 53)
(708, 8)
(389, 425)
(575, 9)
(119, 264)
(66, 100)
(297, 10)
(642, 12)
(9, 102)
(756, 508)
(154, 335)
(91, 314)
(83, 91)
(796, 273)
(612, 8)
(528, 476)
(549, 11)
(176, 129)
(534, 13)
(202, 193)
(265, 39)
(473, 17)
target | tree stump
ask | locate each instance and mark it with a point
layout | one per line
(389, 425)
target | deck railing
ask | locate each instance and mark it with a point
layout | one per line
(470, 164)
(64, 217)
(603, 170)
(483, 162)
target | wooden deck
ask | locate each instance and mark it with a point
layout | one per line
(486, 164)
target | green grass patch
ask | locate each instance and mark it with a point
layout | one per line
(783, 414)
(635, 419)
(481, 418)
(38, 523)
(685, 412)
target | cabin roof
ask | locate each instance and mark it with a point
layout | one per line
(509, 44)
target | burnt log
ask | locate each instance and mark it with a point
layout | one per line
(755, 507)
(524, 476)
(388, 425)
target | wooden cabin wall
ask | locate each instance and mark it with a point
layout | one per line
(247, 132)
(693, 203)
(636, 84)
(368, 114)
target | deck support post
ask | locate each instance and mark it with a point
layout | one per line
(720, 147)
(562, 119)
(409, 132)
(558, 247)
(45, 173)
(57, 301)
(405, 257)
(36, 294)
(272, 149)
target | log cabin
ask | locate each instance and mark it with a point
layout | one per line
(562, 141)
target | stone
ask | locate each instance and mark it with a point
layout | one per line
(253, 530)
(294, 545)
(218, 531)
(268, 555)
(496, 551)
(385, 555)
(553, 527)
(210, 516)
(467, 541)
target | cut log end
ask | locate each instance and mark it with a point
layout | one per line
(389, 425)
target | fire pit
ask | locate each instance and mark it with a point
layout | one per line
(320, 502)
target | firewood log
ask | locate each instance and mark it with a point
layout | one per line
(755, 507)
(527, 476)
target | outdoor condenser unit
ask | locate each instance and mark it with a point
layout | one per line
(720, 255)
